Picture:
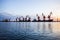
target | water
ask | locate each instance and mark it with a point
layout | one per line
(29, 30)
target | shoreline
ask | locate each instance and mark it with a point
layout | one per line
(30, 21)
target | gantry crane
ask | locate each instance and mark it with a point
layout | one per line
(27, 18)
(43, 16)
(49, 16)
(38, 17)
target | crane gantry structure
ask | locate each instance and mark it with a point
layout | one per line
(28, 18)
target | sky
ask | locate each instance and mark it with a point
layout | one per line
(31, 7)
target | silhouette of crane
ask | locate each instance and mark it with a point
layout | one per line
(38, 17)
(21, 19)
(49, 16)
(17, 19)
(27, 19)
(43, 17)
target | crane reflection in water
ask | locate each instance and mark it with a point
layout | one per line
(35, 28)
(28, 29)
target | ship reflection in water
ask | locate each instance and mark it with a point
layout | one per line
(30, 30)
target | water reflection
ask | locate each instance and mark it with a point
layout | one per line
(50, 27)
(21, 29)
(38, 27)
(27, 27)
(44, 27)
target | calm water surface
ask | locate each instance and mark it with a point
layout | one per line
(30, 30)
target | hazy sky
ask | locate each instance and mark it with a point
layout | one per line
(30, 7)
